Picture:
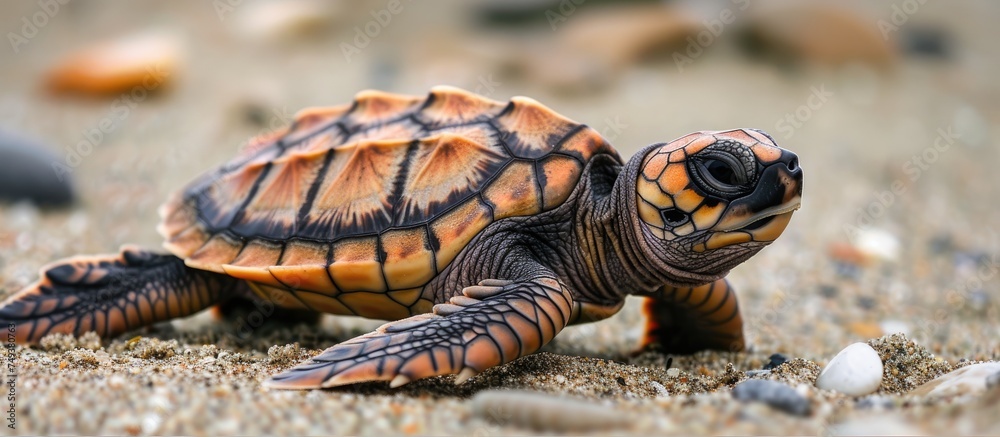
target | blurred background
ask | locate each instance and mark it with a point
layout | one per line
(893, 107)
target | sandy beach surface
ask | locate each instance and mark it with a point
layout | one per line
(913, 273)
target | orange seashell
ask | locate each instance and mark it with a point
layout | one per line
(143, 62)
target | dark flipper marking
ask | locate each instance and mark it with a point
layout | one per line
(111, 294)
(488, 325)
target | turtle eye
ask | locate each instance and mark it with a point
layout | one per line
(674, 217)
(721, 171)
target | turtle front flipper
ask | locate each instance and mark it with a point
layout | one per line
(110, 294)
(489, 324)
(685, 320)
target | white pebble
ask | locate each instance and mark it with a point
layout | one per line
(968, 380)
(151, 423)
(286, 19)
(878, 244)
(855, 371)
(661, 391)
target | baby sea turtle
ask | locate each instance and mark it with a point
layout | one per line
(481, 228)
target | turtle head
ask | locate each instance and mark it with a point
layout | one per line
(710, 200)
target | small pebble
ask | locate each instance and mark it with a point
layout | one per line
(878, 244)
(968, 380)
(772, 393)
(545, 412)
(285, 19)
(855, 371)
(866, 302)
(828, 291)
(875, 402)
(993, 381)
(28, 172)
(660, 389)
(926, 42)
(775, 361)
(865, 329)
(941, 243)
(846, 255)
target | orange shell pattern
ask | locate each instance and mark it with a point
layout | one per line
(357, 207)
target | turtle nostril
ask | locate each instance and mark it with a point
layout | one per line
(793, 164)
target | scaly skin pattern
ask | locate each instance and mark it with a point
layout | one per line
(685, 320)
(587, 275)
(667, 225)
(490, 324)
(112, 294)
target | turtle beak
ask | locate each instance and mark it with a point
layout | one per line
(762, 215)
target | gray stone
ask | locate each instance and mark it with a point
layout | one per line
(993, 381)
(29, 171)
(775, 394)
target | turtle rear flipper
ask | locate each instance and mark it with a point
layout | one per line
(110, 294)
(685, 320)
